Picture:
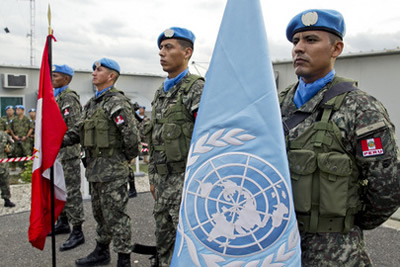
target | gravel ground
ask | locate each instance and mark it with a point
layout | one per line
(383, 243)
(21, 195)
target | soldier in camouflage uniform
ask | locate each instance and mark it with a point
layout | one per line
(169, 133)
(70, 108)
(107, 131)
(10, 114)
(8, 118)
(142, 119)
(21, 128)
(6, 146)
(32, 115)
(3, 125)
(342, 150)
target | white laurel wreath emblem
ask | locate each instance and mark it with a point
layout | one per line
(205, 144)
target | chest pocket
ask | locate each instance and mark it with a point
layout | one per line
(335, 174)
(171, 133)
(102, 138)
(303, 163)
(89, 133)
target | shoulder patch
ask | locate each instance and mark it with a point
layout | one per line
(370, 128)
(66, 111)
(119, 119)
(371, 147)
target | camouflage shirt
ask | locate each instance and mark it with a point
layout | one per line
(360, 117)
(3, 124)
(141, 125)
(119, 112)
(170, 190)
(21, 127)
(7, 119)
(71, 110)
(5, 141)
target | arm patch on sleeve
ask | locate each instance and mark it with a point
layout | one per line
(372, 147)
(370, 128)
(119, 119)
(115, 110)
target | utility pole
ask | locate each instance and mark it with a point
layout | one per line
(32, 33)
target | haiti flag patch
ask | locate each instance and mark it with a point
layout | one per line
(371, 147)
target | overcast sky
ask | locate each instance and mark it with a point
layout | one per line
(127, 30)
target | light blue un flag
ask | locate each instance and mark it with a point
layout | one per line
(237, 207)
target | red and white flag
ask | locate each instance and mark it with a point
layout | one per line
(372, 147)
(49, 133)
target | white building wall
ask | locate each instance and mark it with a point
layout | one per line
(139, 87)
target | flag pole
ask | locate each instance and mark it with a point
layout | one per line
(53, 235)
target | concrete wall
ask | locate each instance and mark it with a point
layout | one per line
(376, 73)
(139, 87)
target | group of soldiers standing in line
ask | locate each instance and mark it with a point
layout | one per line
(343, 155)
(107, 130)
(17, 140)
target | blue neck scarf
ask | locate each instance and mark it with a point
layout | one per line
(98, 93)
(305, 91)
(58, 91)
(169, 83)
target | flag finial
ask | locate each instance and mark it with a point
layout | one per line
(49, 18)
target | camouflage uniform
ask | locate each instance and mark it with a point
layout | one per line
(142, 124)
(168, 186)
(32, 136)
(70, 108)
(20, 128)
(3, 124)
(359, 117)
(107, 131)
(5, 140)
(7, 119)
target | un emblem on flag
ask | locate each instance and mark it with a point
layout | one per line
(237, 204)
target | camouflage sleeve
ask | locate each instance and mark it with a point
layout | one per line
(152, 176)
(72, 136)
(377, 156)
(121, 113)
(10, 143)
(31, 124)
(191, 100)
(71, 110)
(148, 128)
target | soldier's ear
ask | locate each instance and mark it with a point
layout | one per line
(337, 48)
(188, 52)
(112, 75)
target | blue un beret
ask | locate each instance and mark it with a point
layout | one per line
(108, 63)
(176, 33)
(20, 106)
(32, 109)
(63, 69)
(317, 20)
(8, 107)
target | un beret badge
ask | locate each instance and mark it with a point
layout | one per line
(97, 64)
(53, 68)
(169, 33)
(309, 18)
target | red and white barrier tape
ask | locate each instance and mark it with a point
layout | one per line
(19, 159)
